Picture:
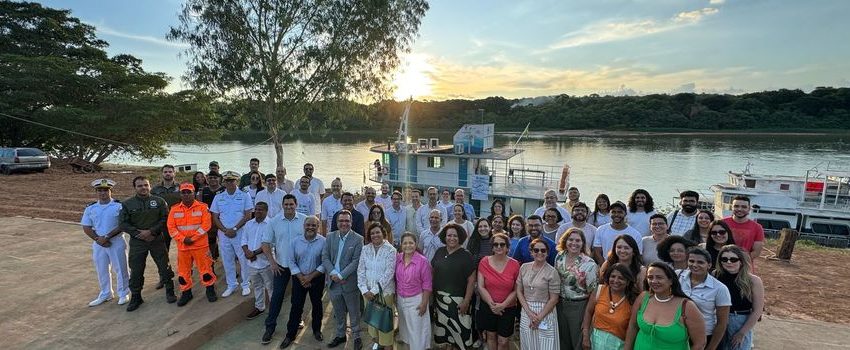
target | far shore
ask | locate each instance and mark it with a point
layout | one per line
(550, 133)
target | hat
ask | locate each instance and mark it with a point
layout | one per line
(618, 204)
(187, 186)
(230, 175)
(103, 183)
(213, 163)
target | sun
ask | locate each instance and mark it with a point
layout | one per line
(413, 79)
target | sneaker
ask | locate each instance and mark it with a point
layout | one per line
(254, 313)
(228, 292)
(246, 292)
(123, 300)
(99, 301)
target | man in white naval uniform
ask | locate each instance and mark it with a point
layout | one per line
(231, 209)
(100, 223)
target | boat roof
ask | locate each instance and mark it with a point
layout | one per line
(448, 151)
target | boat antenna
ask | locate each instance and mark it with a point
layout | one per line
(401, 142)
(523, 134)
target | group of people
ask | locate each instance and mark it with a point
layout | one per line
(567, 277)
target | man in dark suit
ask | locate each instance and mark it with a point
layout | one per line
(339, 259)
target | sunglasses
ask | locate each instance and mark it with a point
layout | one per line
(729, 259)
(718, 232)
(538, 250)
(499, 245)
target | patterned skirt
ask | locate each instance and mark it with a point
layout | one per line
(450, 326)
(545, 337)
(602, 340)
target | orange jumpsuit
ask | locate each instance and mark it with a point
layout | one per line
(194, 222)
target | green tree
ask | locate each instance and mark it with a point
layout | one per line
(54, 71)
(289, 54)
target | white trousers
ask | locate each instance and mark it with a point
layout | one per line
(413, 329)
(230, 250)
(261, 281)
(109, 260)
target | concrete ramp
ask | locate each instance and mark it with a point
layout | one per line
(48, 280)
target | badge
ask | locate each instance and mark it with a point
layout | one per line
(153, 204)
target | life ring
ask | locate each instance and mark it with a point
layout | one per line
(565, 179)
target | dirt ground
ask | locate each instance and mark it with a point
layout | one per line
(810, 287)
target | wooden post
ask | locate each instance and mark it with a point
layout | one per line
(787, 239)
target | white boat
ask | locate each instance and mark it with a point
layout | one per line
(470, 162)
(817, 204)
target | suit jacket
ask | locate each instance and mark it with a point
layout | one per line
(348, 261)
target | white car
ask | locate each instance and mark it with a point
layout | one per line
(23, 159)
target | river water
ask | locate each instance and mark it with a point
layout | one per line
(615, 165)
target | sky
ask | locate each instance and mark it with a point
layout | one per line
(476, 49)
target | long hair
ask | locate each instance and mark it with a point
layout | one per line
(382, 221)
(693, 235)
(648, 207)
(462, 210)
(637, 259)
(596, 206)
(743, 280)
(260, 186)
(632, 290)
(493, 210)
(675, 286)
(519, 218)
(199, 186)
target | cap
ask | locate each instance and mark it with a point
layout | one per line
(214, 163)
(187, 186)
(103, 183)
(230, 175)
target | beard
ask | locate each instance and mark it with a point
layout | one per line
(689, 208)
(579, 217)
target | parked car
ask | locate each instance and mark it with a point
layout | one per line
(23, 159)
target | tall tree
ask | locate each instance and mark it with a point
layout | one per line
(55, 71)
(289, 54)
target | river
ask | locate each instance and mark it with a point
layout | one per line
(616, 165)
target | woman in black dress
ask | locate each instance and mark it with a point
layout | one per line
(453, 283)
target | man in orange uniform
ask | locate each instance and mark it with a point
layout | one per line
(188, 224)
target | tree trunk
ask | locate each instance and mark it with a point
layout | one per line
(787, 239)
(274, 132)
(278, 148)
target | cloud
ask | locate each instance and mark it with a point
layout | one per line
(717, 2)
(105, 30)
(607, 31)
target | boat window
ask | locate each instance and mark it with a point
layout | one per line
(784, 187)
(773, 224)
(435, 162)
(749, 183)
(830, 229)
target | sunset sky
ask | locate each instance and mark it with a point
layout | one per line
(476, 49)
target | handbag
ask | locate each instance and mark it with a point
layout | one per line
(378, 314)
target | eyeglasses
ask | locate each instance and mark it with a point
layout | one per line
(718, 232)
(729, 259)
(538, 250)
(499, 245)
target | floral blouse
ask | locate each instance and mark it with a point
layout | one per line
(578, 278)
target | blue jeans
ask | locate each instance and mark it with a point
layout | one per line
(735, 324)
(276, 302)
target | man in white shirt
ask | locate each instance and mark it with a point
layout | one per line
(365, 205)
(385, 199)
(282, 182)
(424, 211)
(101, 224)
(397, 216)
(429, 239)
(231, 209)
(684, 219)
(460, 197)
(606, 234)
(411, 225)
(446, 202)
(306, 200)
(550, 200)
(279, 236)
(579, 221)
(272, 195)
(331, 205)
(316, 185)
(260, 273)
(641, 207)
(649, 244)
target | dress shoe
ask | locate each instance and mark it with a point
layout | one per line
(185, 297)
(160, 284)
(170, 297)
(211, 294)
(135, 302)
(255, 313)
(123, 300)
(319, 337)
(358, 344)
(267, 336)
(228, 292)
(286, 343)
(336, 342)
(246, 292)
(99, 301)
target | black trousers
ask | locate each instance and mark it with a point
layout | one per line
(276, 301)
(137, 259)
(299, 296)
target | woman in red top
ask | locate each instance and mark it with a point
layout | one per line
(497, 276)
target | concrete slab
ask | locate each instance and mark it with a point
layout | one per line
(49, 279)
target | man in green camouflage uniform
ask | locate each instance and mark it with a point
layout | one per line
(143, 217)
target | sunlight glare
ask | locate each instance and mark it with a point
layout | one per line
(413, 78)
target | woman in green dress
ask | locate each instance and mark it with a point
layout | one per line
(665, 319)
